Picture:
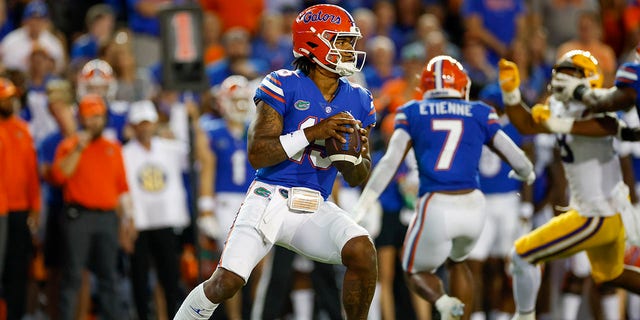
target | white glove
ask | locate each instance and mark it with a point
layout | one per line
(209, 226)
(563, 86)
(529, 179)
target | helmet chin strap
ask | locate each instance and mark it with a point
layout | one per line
(344, 69)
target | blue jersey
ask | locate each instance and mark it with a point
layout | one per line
(297, 98)
(233, 171)
(447, 136)
(627, 77)
(494, 172)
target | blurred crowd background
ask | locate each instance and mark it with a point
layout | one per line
(45, 41)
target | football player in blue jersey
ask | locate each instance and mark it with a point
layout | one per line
(287, 201)
(447, 133)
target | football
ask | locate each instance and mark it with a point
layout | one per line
(344, 155)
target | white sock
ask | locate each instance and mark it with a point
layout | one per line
(633, 307)
(196, 306)
(570, 305)
(302, 300)
(526, 283)
(478, 315)
(611, 307)
(374, 310)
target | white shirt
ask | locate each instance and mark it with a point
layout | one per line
(16, 48)
(591, 165)
(155, 183)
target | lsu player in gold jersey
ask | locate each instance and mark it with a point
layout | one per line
(594, 221)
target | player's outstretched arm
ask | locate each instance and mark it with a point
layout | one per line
(502, 145)
(518, 112)
(360, 172)
(398, 146)
(606, 100)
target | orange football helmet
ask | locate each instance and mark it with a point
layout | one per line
(315, 32)
(97, 77)
(235, 98)
(444, 77)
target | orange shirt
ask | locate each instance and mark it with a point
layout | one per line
(99, 178)
(21, 172)
(4, 145)
(393, 94)
(245, 13)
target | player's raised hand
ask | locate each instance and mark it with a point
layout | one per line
(540, 113)
(333, 126)
(508, 75)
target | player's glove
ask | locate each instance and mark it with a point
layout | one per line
(629, 134)
(565, 87)
(540, 113)
(529, 179)
(509, 77)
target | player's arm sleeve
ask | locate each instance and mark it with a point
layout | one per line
(385, 169)
(369, 110)
(509, 151)
(271, 92)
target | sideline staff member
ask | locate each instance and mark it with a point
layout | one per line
(91, 171)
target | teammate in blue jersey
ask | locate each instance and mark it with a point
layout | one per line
(232, 173)
(286, 203)
(447, 133)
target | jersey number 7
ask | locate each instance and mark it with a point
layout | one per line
(454, 130)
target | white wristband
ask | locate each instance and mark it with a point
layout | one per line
(293, 142)
(206, 203)
(511, 98)
(559, 125)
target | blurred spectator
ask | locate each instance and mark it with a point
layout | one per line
(238, 61)
(385, 12)
(426, 24)
(243, 14)
(436, 44)
(36, 111)
(559, 18)
(366, 21)
(91, 172)
(133, 84)
(408, 13)
(480, 70)
(213, 49)
(396, 92)
(100, 21)
(18, 44)
(59, 96)
(154, 169)
(23, 200)
(143, 21)
(272, 45)
(380, 67)
(589, 38)
(494, 23)
(533, 76)
(631, 20)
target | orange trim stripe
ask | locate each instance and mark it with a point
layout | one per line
(414, 245)
(274, 80)
(273, 95)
